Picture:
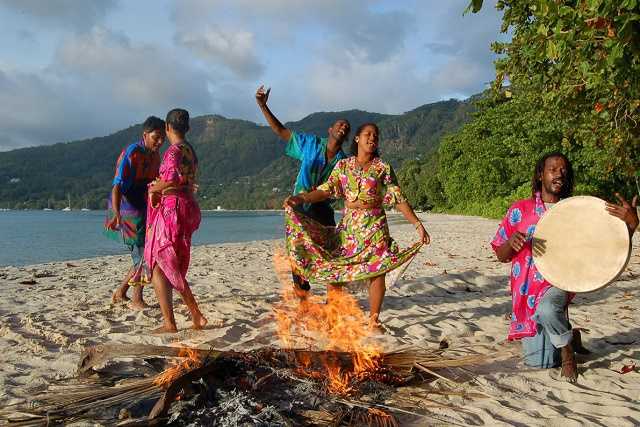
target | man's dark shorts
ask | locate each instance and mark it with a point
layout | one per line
(324, 214)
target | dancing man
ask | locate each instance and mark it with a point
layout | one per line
(137, 166)
(317, 156)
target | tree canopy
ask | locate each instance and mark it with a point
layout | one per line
(567, 79)
(581, 60)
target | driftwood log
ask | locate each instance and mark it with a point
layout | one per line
(100, 354)
(281, 358)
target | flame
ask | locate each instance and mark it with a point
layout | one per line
(190, 359)
(339, 325)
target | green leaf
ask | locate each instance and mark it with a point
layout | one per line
(543, 30)
(552, 50)
(617, 52)
(474, 6)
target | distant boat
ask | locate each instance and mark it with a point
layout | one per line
(85, 209)
(48, 208)
(68, 208)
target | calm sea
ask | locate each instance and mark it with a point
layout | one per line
(31, 237)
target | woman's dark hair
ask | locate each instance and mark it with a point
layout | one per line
(354, 143)
(153, 123)
(536, 181)
(178, 120)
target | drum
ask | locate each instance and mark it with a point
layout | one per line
(579, 247)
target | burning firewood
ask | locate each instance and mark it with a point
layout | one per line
(258, 372)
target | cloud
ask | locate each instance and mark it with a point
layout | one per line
(140, 75)
(234, 49)
(328, 55)
(96, 84)
(446, 56)
(34, 110)
(393, 86)
(354, 28)
(78, 15)
(442, 48)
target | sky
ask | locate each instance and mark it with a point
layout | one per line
(74, 69)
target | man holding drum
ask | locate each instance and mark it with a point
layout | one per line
(540, 316)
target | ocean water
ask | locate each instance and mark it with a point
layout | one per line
(31, 237)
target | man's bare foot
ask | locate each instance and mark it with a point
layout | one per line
(569, 369)
(164, 330)
(199, 322)
(119, 296)
(138, 305)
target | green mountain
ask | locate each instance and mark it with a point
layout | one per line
(242, 164)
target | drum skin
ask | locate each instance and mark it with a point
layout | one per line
(579, 247)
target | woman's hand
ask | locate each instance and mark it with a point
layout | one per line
(154, 186)
(293, 201)
(154, 199)
(422, 232)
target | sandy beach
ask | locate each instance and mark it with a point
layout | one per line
(455, 290)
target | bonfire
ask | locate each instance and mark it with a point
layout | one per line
(329, 370)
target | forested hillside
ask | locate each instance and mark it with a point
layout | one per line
(242, 164)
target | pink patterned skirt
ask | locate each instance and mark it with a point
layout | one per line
(168, 239)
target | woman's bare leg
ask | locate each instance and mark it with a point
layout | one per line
(164, 293)
(377, 289)
(199, 321)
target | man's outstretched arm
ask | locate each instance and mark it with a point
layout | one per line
(278, 128)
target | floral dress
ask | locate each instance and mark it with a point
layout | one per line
(177, 216)
(360, 247)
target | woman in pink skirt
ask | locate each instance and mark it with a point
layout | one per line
(173, 215)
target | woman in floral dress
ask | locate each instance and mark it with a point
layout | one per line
(360, 247)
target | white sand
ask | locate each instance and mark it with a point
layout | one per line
(455, 288)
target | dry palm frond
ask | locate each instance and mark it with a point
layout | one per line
(370, 417)
(406, 360)
(70, 403)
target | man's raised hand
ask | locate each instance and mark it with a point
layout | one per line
(262, 96)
